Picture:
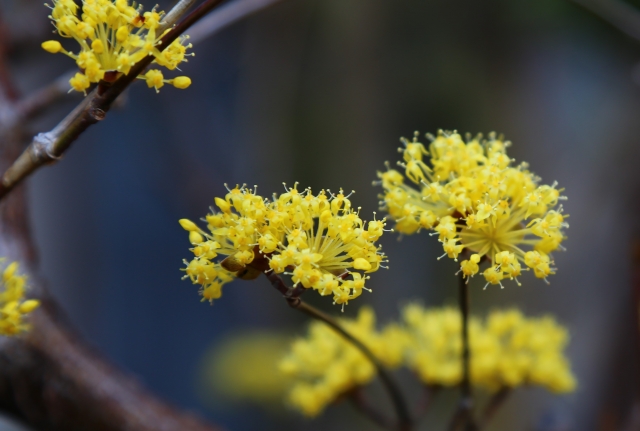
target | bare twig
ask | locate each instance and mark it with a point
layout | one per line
(494, 404)
(42, 98)
(399, 403)
(49, 147)
(428, 394)
(621, 15)
(360, 402)
(49, 378)
(52, 381)
(175, 14)
(225, 16)
(7, 86)
(464, 412)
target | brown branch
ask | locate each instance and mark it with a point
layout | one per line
(50, 146)
(463, 415)
(494, 404)
(48, 377)
(360, 402)
(52, 381)
(621, 15)
(42, 98)
(7, 85)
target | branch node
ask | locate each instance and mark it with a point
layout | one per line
(41, 148)
(97, 114)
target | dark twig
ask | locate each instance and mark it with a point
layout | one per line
(359, 401)
(494, 404)
(8, 88)
(399, 403)
(50, 146)
(42, 98)
(428, 394)
(464, 412)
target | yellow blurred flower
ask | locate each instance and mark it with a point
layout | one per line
(507, 349)
(325, 366)
(13, 305)
(244, 367)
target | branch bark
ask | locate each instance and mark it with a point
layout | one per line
(50, 146)
(49, 378)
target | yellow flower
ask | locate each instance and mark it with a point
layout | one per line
(13, 306)
(507, 349)
(113, 36)
(316, 239)
(476, 201)
(244, 367)
(325, 366)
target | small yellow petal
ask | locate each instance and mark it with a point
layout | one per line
(52, 46)
(188, 225)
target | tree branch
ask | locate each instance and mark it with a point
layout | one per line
(360, 402)
(494, 404)
(50, 146)
(52, 381)
(48, 377)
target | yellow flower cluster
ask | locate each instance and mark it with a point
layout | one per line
(244, 367)
(507, 350)
(477, 201)
(317, 239)
(13, 306)
(325, 366)
(113, 36)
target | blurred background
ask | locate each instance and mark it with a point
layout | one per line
(319, 92)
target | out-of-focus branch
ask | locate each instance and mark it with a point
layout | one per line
(50, 146)
(7, 86)
(225, 16)
(52, 381)
(494, 404)
(360, 402)
(621, 15)
(42, 98)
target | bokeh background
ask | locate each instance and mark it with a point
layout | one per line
(319, 91)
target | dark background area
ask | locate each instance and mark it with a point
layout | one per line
(319, 92)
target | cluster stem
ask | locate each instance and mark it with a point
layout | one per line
(292, 296)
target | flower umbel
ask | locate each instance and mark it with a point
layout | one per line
(319, 240)
(13, 306)
(324, 365)
(507, 349)
(476, 201)
(113, 36)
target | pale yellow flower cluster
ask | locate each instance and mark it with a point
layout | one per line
(13, 306)
(113, 36)
(317, 239)
(477, 201)
(507, 349)
(325, 366)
